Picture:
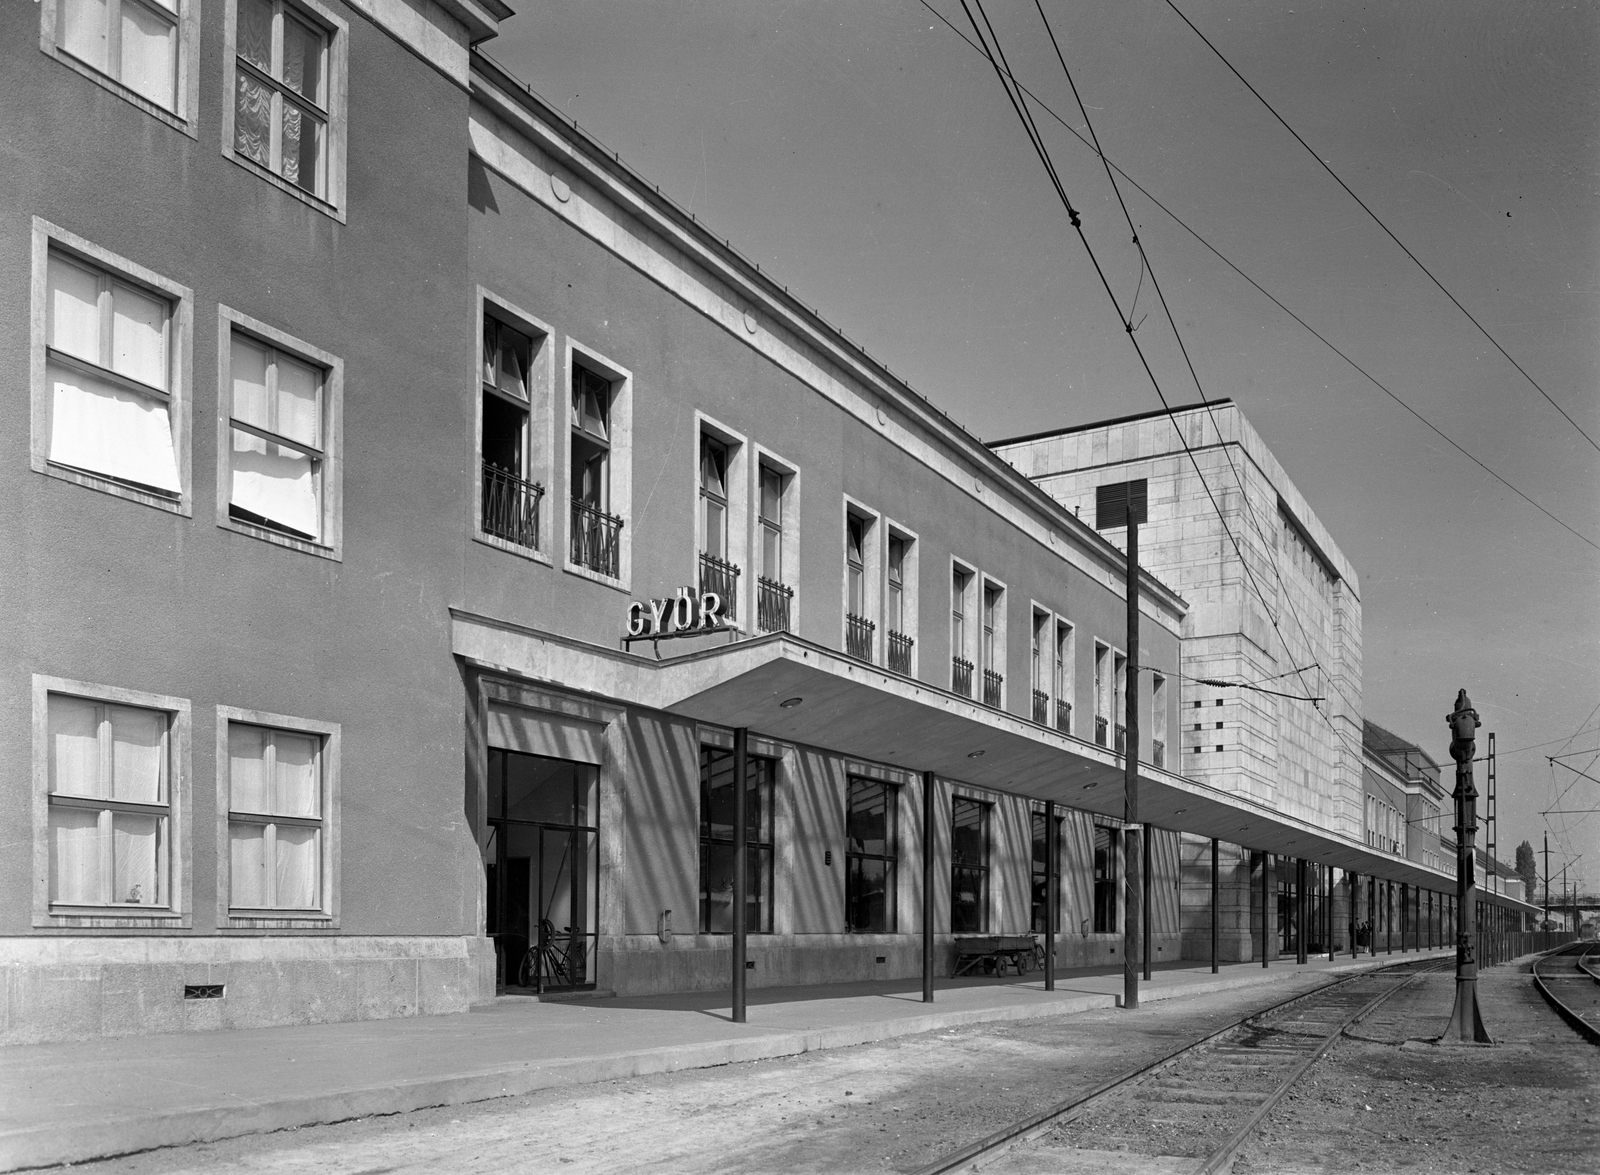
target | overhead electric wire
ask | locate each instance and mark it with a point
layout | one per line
(1244, 495)
(1264, 292)
(1376, 219)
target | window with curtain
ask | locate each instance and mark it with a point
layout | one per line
(1105, 879)
(281, 110)
(277, 431)
(135, 42)
(110, 805)
(771, 524)
(275, 819)
(713, 497)
(855, 564)
(870, 857)
(108, 362)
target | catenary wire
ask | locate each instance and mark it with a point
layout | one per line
(1379, 222)
(1264, 292)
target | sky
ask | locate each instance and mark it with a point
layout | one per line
(866, 157)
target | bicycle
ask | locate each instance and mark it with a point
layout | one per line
(545, 965)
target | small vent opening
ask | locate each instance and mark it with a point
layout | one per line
(203, 991)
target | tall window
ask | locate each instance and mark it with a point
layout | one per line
(275, 819)
(276, 423)
(281, 93)
(1041, 656)
(859, 628)
(1041, 872)
(510, 496)
(1158, 715)
(717, 785)
(899, 641)
(774, 597)
(713, 497)
(136, 42)
(960, 667)
(969, 866)
(595, 531)
(993, 678)
(1105, 879)
(109, 366)
(1064, 677)
(110, 804)
(869, 888)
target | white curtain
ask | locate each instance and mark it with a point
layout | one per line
(137, 754)
(136, 859)
(247, 768)
(74, 310)
(83, 30)
(74, 747)
(273, 480)
(75, 843)
(248, 858)
(149, 53)
(297, 853)
(298, 793)
(276, 482)
(139, 337)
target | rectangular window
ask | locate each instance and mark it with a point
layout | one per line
(276, 814)
(774, 597)
(717, 785)
(1040, 655)
(960, 667)
(108, 347)
(511, 498)
(135, 42)
(277, 439)
(1158, 724)
(1102, 694)
(870, 857)
(1105, 879)
(992, 651)
(1119, 701)
(1065, 680)
(899, 643)
(859, 628)
(718, 572)
(596, 532)
(1041, 872)
(109, 804)
(969, 866)
(281, 109)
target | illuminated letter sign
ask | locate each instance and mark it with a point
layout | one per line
(686, 612)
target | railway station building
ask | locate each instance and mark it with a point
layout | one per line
(414, 502)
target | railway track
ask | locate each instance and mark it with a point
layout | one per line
(1569, 980)
(1212, 1092)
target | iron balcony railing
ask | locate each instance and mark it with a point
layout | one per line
(992, 682)
(1100, 727)
(1041, 707)
(961, 677)
(1122, 739)
(596, 539)
(773, 602)
(511, 507)
(722, 577)
(1158, 753)
(899, 652)
(1064, 717)
(858, 632)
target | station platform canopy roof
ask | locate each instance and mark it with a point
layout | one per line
(785, 688)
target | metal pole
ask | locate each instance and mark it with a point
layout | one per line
(1372, 916)
(1266, 897)
(1489, 821)
(1216, 885)
(927, 887)
(1149, 916)
(741, 877)
(1388, 917)
(1546, 877)
(1052, 909)
(1300, 910)
(1405, 915)
(1327, 901)
(1355, 909)
(1132, 938)
(1466, 1021)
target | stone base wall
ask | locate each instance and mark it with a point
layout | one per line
(54, 989)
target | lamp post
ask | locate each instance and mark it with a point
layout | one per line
(1466, 1022)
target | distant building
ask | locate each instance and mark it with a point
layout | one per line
(1404, 801)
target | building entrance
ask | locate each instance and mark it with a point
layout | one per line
(542, 870)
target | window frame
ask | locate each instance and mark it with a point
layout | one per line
(993, 636)
(870, 572)
(1064, 652)
(620, 467)
(330, 544)
(48, 238)
(332, 202)
(910, 588)
(966, 647)
(705, 840)
(737, 511)
(1114, 869)
(539, 432)
(890, 857)
(178, 913)
(254, 918)
(788, 536)
(184, 116)
(984, 868)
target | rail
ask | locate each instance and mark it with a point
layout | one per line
(721, 577)
(1041, 707)
(858, 632)
(993, 684)
(1568, 983)
(774, 603)
(596, 539)
(961, 676)
(899, 647)
(511, 507)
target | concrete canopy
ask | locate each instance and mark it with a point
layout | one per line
(859, 709)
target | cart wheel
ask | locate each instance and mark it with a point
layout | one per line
(1023, 960)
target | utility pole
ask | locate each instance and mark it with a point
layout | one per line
(1466, 1021)
(1489, 818)
(1125, 503)
(1546, 877)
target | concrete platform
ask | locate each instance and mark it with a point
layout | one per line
(91, 1099)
